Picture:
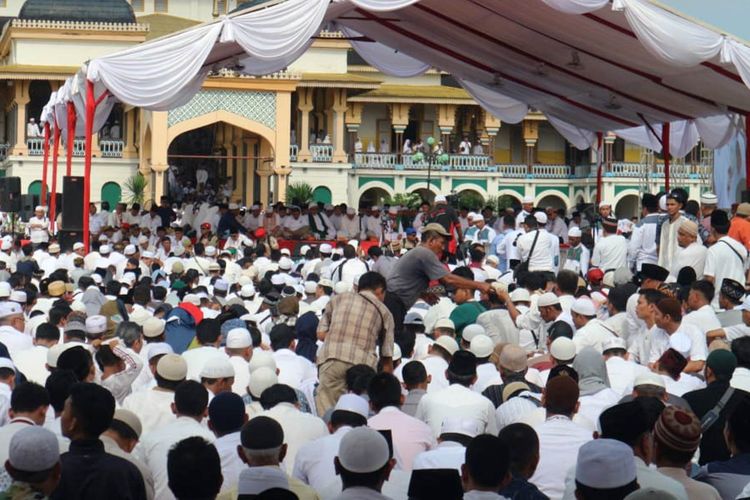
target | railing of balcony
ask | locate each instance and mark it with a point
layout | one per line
(293, 152)
(626, 170)
(551, 171)
(35, 145)
(322, 153)
(111, 148)
(517, 171)
(469, 162)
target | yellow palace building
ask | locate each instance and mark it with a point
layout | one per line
(329, 120)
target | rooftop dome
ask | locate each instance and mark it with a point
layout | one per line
(96, 11)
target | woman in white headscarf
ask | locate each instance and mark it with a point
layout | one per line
(407, 147)
(593, 383)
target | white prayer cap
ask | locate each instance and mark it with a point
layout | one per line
(326, 248)
(649, 378)
(351, 211)
(130, 419)
(239, 338)
(234, 206)
(211, 251)
(303, 250)
(5, 289)
(33, 323)
(353, 243)
(663, 203)
(342, 287)
(527, 200)
(574, 232)
(53, 248)
(153, 327)
(445, 323)
(172, 367)
(328, 206)
(745, 306)
(33, 449)
(253, 481)
(140, 316)
(103, 238)
(247, 290)
(492, 258)
(540, 217)
(375, 208)
(96, 324)
(285, 264)
(448, 343)
(609, 279)
(471, 331)
(354, 404)
(562, 349)
(7, 363)
(481, 346)
(363, 450)
(217, 367)
(605, 203)
(78, 245)
(158, 349)
(261, 359)
(605, 464)
(39, 208)
(142, 239)
(260, 380)
(613, 343)
(8, 309)
(520, 295)
(413, 318)
(325, 283)
(708, 199)
(681, 343)
(54, 352)
(470, 427)
(18, 296)
(393, 210)
(548, 299)
(277, 280)
(285, 251)
(584, 307)
(128, 278)
(105, 249)
(192, 298)
(244, 280)
(310, 287)
(6, 245)
(478, 217)
(471, 216)
(396, 352)
(148, 255)
(440, 199)
(221, 285)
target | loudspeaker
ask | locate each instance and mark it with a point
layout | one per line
(28, 203)
(67, 239)
(72, 204)
(10, 194)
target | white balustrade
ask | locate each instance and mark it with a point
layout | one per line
(583, 171)
(512, 170)
(35, 146)
(79, 147)
(469, 162)
(322, 153)
(376, 160)
(111, 148)
(293, 152)
(551, 171)
(627, 170)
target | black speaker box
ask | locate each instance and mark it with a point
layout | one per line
(28, 203)
(67, 239)
(72, 204)
(10, 194)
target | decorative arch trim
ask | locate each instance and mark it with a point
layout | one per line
(221, 116)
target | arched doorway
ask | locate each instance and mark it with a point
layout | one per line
(627, 207)
(553, 201)
(373, 196)
(470, 199)
(112, 194)
(425, 194)
(322, 194)
(35, 188)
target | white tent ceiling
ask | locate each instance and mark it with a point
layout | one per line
(590, 65)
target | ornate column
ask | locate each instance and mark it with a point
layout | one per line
(492, 126)
(353, 120)
(158, 153)
(282, 176)
(241, 165)
(338, 107)
(248, 148)
(530, 138)
(399, 121)
(446, 122)
(305, 106)
(609, 141)
(129, 133)
(20, 100)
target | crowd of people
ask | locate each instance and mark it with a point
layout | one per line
(321, 352)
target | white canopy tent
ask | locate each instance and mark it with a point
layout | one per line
(592, 66)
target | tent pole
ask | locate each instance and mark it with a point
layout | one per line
(599, 162)
(45, 165)
(665, 150)
(71, 138)
(53, 192)
(747, 151)
(89, 132)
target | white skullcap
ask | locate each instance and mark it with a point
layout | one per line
(396, 352)
(520, 295)
(6, 245)
(239, 338)
(129, 250)
(351, 211)
(153, 327)
(142, 239)
(285, 264)
(39, 208)
(221, 285)
(481, 346)
(326, 248)
(5, 289)
(574, 232)
(440, 199)
(285, 251)
(492, 258)
(471, 331)
(260, 380)
(18, 296)
(247, 290)
(217, 367)
(663, 203)
(547, 299)
(393, 210)
(140, 316)
(584, 306)
(353, 243)
(605, 203)
(477, 217)
(8, 309)
(234, 206)
(54, 352)
(363, 450)
(325, 283)
(7, 363)
(459, 425)
(303, 250)
(310, 287)
(33, 449)
(527, 199)
(605, 464)
(105, 249)
(277, 280)
(130, 419)
(709, 199)
(210, 251)
(148, 254)
(562, 349)
(445, 323)
(353, 403)
(261, 359)
(540, 217)
(158, 349)
(649, 378)
(613, 343)
(96, 324)
(448, 343)
(172, 367)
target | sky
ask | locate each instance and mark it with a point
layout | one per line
(728, 15)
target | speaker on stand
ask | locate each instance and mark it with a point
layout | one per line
(72, 204)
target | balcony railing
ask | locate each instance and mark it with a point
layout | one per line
(513, 170)
(111, 148)
(35, 146)
(469, 162)
(551, 171)
(322, 153)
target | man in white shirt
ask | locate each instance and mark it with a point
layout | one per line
(294, 226)
(32, 362)
(253, 219)
(727, 258)
(450, 452)
(556, 225)
(30, 404)
(464, 148)
(208, 335)
(578, 257)
(643, 245)
(190, 402)
(691, 253)
(668, 319)
(559, 437)
(458, 400)
(372, 228)
(239, 348)
(620, 370)
(527, 206)
(349, 268)
(610, 251)
(226, 416)
(349, 225)
(38, 226)
(541, 259)
(701, 315)
(294, 370)
(590, 331)
(12, 326)
(668, 246)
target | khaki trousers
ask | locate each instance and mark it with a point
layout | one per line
(332, 378)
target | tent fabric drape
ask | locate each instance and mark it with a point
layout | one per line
(505, 108)
(385, 59)
(580, 138)
(383, 5)
(576, 6)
